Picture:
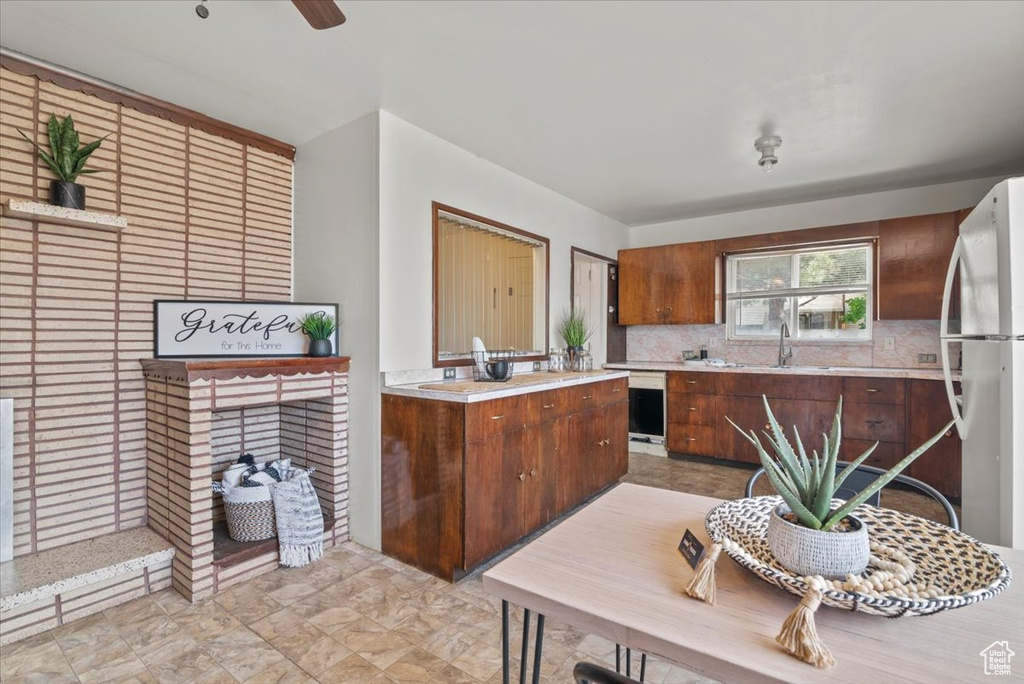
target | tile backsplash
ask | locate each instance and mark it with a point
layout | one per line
(668, 343)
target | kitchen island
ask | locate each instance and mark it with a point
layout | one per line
(468, 469)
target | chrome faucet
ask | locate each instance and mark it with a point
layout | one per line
(783, 352)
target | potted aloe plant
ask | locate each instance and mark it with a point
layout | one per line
(809, 534)
(575, 330)
(319, 327)
(66, 159)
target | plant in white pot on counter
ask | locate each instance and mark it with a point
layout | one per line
(805, 533)
(575, 330)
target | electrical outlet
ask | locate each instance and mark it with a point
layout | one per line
(536, 365)
(927, 358)
(890, 344)
(449, 373)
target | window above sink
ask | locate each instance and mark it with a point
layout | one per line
(821, 292)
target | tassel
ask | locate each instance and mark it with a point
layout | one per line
(702, 586)
(800, 637)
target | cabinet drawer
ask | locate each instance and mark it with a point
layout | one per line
(692, 409)
(691, 382)
(874, 391)
(611, 391)
(487, 418)
(584, 397)
(781, 386)
(691, 439)
(874, 422)
(885, 455)
(542, 407)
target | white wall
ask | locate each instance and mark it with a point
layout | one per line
(931, 199)
(417, 168)
(336, 256)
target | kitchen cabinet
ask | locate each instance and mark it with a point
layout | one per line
(899, 414)
(669, 284)
(913, 254)
(928, 411)
(462, 481)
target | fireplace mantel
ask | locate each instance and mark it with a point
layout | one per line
(190, 370)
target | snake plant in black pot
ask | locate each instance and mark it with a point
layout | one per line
(66, 158)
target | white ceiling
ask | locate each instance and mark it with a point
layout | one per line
(644, 111)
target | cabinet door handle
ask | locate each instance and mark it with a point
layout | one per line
(600, 443)
(547, 406)
(668, 309)
(949, 433)
(498, 417)
(657, 311)
(587, 396)
(767, 426)
(617, 389)
(691, 382)
(533, 472)
(522, 477)
(872, 390)
(691, 439)
(692, 408)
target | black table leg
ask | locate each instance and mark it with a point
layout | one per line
(526, 646)
(504, 642)
(643, 666)
(538, 648)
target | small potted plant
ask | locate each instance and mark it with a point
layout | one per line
(319, 327)
(809, 534)
(67, 160)
(575, 330)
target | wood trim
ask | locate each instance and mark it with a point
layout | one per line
(435, 208)
(792, 238)
(193, 369)
(109, 92)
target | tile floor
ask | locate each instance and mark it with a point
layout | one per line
(355, 617)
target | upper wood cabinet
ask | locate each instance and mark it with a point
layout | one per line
(670, 284)
(913, 255)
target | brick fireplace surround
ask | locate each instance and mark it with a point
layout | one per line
(308, 422)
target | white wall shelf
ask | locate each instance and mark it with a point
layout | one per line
(37, 211)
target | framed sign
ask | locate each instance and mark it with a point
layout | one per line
(192, 328)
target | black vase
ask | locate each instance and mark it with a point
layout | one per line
(68, 195)
(320, 348)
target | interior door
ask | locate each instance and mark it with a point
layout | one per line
(616, 332)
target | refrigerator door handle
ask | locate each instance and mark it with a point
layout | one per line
(947, 291)
(947, 374)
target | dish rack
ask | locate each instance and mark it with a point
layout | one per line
(481, 359)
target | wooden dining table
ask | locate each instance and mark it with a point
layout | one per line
(613, 569)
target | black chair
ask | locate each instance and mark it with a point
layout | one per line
(865, 475)
(589, 673)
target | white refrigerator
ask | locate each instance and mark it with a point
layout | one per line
(989, 257)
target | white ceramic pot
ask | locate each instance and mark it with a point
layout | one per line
(805, 551)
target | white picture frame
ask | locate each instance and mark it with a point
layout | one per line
(219, 328)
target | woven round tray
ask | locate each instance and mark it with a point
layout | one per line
(964, 568)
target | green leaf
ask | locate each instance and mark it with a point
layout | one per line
(785, 451)
(83, 154)
(868, 491)
(49, 160)
(800, 477)
(823, 500)
(53, 133)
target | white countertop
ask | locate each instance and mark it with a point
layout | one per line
(497, 390)
(854, 371)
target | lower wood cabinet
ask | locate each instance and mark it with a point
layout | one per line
(461, 482)
(898, 414)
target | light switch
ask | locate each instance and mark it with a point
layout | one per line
(890, 344)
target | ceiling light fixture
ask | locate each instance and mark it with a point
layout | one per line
(201, 9)
(767, 146)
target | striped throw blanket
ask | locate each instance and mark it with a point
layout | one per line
(300, 523)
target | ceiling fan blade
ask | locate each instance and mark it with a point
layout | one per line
(321, 14)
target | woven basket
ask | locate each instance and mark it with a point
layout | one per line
(250, 513)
